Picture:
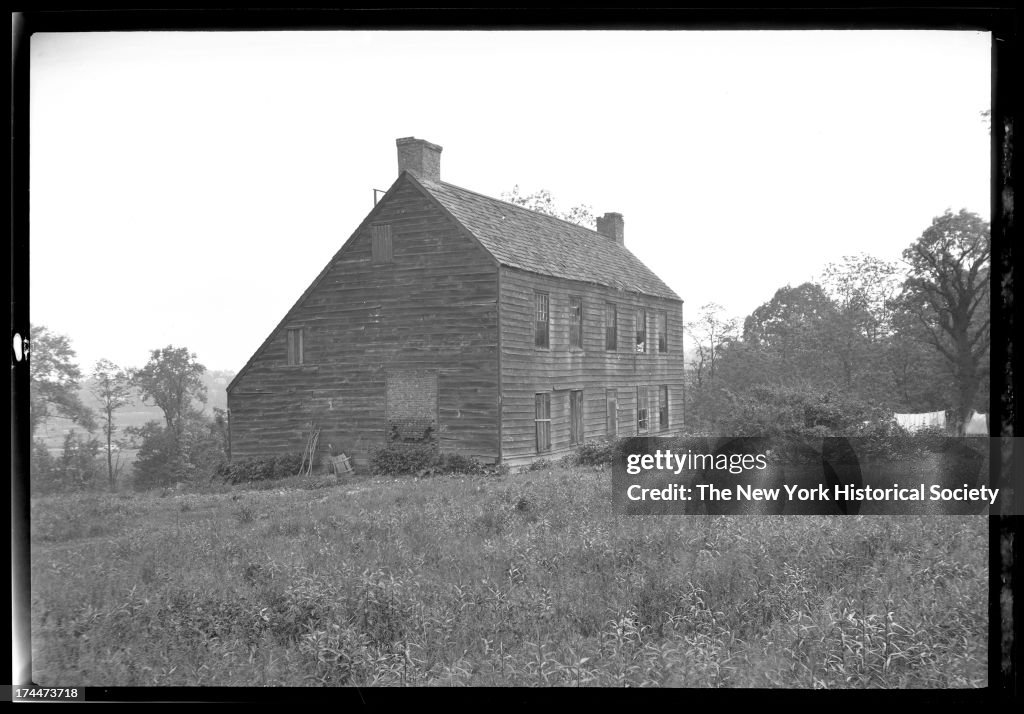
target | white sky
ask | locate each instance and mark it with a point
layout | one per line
(187, 187)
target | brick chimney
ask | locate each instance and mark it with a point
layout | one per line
(610, 225)
(420, 158)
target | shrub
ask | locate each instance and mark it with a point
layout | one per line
(421, 460)
(401, 459)
(261, 468)
(595, 453)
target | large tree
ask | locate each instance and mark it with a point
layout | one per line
(111, 385)
(54, 380)
(172, 380)
(947, 291)
(790, 331)
(863, 290)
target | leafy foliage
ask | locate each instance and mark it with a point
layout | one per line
(111, 386)
(54, 379)
(77, 468)
(947, 291)
(543, 202)
(266, 468)
(595, 453)
(172, 379)
(424, 460)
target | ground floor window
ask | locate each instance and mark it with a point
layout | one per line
(663, 407)
(576, 417)
(612, 412)
(542, 419)
(642, 410)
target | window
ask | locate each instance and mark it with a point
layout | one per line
(295, 346)
(641, 331)
(663, 407)
(610, 326)
(612, 412)
(576, 417)
(382, 252)
(543, 320)
(662, 331)
(642, 405)
(575, 322)
(542, 419)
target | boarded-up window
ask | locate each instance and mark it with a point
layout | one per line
(411, 406)
(382, 251)
(575, 322)
(612, 412)
(576, 416)
(542, 419)
(543, 320)
(662, 331)
(663, 407)
(641, 331)
(642, 410)
(611, 319)
(295, 346)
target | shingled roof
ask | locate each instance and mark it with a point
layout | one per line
(525, 239)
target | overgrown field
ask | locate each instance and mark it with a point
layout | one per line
(519, 580)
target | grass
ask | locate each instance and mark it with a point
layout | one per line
(523, 580)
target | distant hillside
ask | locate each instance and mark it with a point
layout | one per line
(137, 413)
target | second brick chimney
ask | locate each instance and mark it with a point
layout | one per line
(420, 158)
(611, 226)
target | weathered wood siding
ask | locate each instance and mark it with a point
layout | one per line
(528, 370)
(433, 308)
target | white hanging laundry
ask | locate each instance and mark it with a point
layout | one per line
(915, 422)
(977, 424)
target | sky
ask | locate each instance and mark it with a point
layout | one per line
(186, 187)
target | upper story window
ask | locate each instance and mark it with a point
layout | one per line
(575, 322)
(611, 320)
(662, 331)
(543, 320)
(382, 249)
(641, 330)
(295, 351)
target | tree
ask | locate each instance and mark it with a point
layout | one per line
(112, 388)
(543, 202)
(863, 290)
(172, 380)
(709, 331)
(54, 380)
(790, 332)
(947, 291)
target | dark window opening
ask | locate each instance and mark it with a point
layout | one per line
(295, 346)
(576, 417)
(543, 322)
(641, 331)
(642, 406)
(662, 331)
(576, 322)
(611, 320)
(382, 248)
(612, 412)
(663, 407)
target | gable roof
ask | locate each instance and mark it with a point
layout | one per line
(520, 238)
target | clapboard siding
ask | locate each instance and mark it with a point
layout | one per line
(433, 308)
(527, 370)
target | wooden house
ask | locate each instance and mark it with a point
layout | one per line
(467, 322)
